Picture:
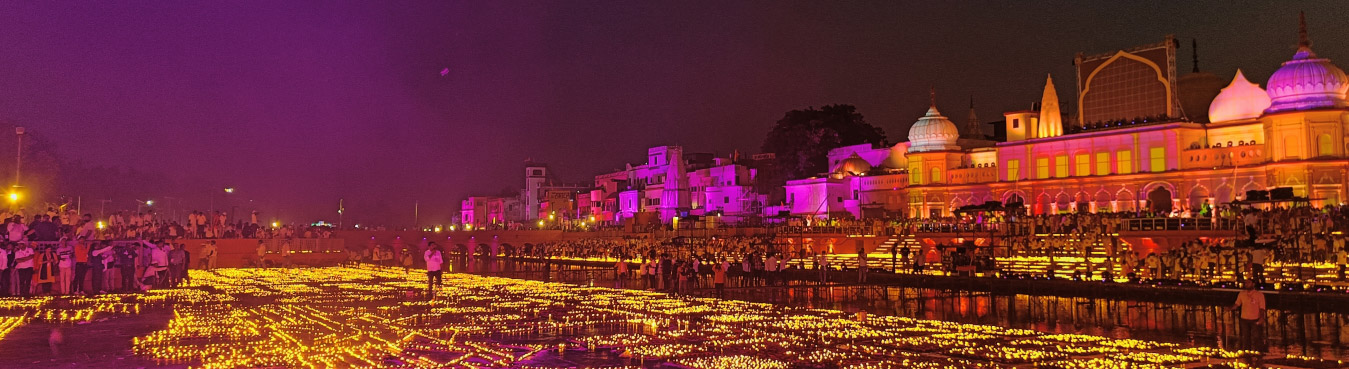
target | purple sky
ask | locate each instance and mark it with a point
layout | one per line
(298, 104)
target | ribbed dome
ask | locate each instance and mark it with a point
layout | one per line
(1306, 82)
(933, 132)
(853, 165)
(1239, 100)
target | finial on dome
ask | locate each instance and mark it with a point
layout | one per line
(1303, 41)
(932, 96)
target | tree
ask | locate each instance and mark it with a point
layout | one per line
(802, 139)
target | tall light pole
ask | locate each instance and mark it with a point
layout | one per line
(18, 162)
(18, 157)
(174, 209)
(230, 215)
(101, 205)
(340, 210)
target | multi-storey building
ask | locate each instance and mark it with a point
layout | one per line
(1130, 147)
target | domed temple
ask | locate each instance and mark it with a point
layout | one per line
(1130, 144)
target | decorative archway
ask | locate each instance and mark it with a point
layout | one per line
(1198, 195)
(1223, 194)
(1125, 201)
(1159, 200)
(1103, 201)
(1249, 186)
(1013, 197)
(1152, 186)
(1063, 202)
(1042, 203)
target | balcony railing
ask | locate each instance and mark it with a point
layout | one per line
(1179, 224)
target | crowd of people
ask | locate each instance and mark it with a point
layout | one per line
(673, 265)
(126, 225)
(83, 266)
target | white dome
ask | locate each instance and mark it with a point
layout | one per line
(1239, 100)
(854, 165)
(1306, 82)
(933, 132)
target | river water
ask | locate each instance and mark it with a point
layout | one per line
(1311, 332)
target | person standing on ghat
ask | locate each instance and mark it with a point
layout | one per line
(652, 269)
(65, 254)
(23, 265)
(262, 254)
(620, 272)
(667, 272)
(434, 258)
(208, 255)
(719, 279)
(771, 270)
(285, 253)
(81, 259)
(178, 264)
(1251, 303)
(102, 257)
(126, 263)
(407, 261)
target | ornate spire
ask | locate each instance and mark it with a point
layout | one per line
(1051, 119)
(1303, 41)
(972, 127)
(1194, 50)
(932, 96)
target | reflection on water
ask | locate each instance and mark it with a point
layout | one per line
(1308, 333)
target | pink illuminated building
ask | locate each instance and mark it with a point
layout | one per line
(1130, 146)
(674, 184)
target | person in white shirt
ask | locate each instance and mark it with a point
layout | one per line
(434, 257)
(23, 257)
(87, 228)
(771, 269)
(65, 253)
(17, 229)
(159, 262)
(1252, 304)
(1258, 265)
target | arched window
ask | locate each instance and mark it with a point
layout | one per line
(1323, 146)
(936, 175)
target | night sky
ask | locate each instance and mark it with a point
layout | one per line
(297, 104)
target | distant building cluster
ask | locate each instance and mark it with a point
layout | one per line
(1140, 139)
(670, 184)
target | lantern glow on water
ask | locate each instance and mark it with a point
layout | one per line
(378, 317)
